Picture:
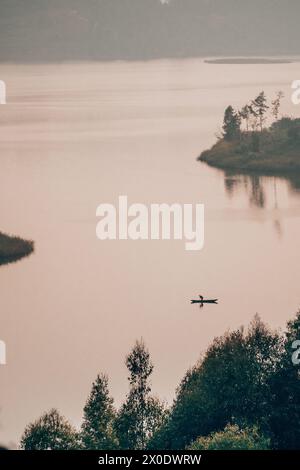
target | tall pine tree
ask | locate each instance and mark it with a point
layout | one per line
(259, 108)
(97, 428)
(231, 124)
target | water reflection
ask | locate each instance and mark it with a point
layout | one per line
(252, 185)
(264, 192)
(255, 186)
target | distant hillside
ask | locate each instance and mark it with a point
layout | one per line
(54, 30)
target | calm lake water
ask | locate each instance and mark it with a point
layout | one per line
(76, 135)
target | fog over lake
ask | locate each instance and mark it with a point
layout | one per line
(73, 136)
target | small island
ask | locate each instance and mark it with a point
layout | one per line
(14, 248)
(247, 61)
(246, 144)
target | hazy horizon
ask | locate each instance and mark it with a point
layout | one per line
(69, 30)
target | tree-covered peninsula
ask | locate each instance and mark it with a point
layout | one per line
(248, 144)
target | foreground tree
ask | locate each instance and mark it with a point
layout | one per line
(97, 428)
(231, 124)
(285, 387)
(50, 432)
(141, 414)
(233, 438)
(231, 383)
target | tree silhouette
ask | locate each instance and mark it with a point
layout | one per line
(231, 124)
(259, 108)
(276, 104)
(97, 428)
(141, 414)
(245, 114)
(50, 432)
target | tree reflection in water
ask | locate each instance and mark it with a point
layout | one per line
(262, 192)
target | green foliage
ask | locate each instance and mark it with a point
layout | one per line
(140, 368)
(245, 378)
(231, 383)
(285, 384)
(255, 142)
(50, 432)
(141, 415)
(97, 428)
(293, 133)
(233, 438)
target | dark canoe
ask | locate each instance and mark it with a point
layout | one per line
(212, 301)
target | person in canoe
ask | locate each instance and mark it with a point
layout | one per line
(203, 301)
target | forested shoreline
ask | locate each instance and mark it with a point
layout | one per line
(244, 393)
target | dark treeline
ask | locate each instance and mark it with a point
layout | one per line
(254, 115)
(244, 393)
